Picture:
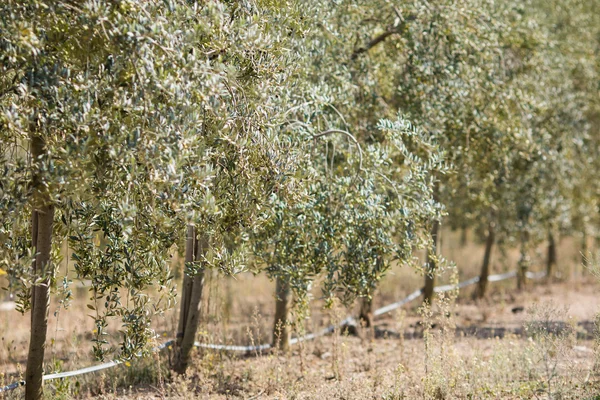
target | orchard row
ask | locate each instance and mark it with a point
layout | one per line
(304, 139)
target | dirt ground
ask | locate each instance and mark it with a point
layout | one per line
(492, 348)
(344, 366)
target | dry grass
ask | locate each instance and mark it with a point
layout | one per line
(407, 360)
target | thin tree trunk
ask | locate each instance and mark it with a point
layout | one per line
(464, 236)
(189, 316)
(485, 267)
(431, 264)
(366, 312)
(186, 289)
(584, 249)
(551, 259)
(41, 232)
(34, 239)
(523, 261)
(281, 326)
(191, 327)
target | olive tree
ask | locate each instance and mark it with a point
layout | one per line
(568, 115)
(550, 92)
(244, 47)
(113, 119)
(442, 71)
(338, 105)
(363, 208)
(470, 73)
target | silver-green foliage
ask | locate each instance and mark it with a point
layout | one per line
(154, 115)
(362, 209)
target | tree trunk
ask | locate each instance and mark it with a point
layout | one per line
(191, 297)
(41, 236)
(523, 262)
(584, 249)
(281, 327)
(551, 259)
(431, 264)
(186, 289)
(464, 236)
(485, 267)
(365, 316)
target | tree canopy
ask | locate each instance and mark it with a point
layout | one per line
(301, 139)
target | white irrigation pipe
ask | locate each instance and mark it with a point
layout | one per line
(393, 306)
(331, 328)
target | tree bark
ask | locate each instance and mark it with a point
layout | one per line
(584, 249)
(186, 289)
(431, 264)
(41, 236)
(365, 316)
(523, 262)
(485, 267)
(281, 326)
(191, 297)
(551, 258)
(464, 236)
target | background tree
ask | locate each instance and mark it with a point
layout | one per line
(440, 63)
(361, 211)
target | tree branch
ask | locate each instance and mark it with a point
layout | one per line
(399, 28)
(330, 131)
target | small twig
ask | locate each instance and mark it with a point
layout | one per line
(339, 114)
(388, 180)
(256, 396)
(374, 42)
(383, 36)
(330, 131)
